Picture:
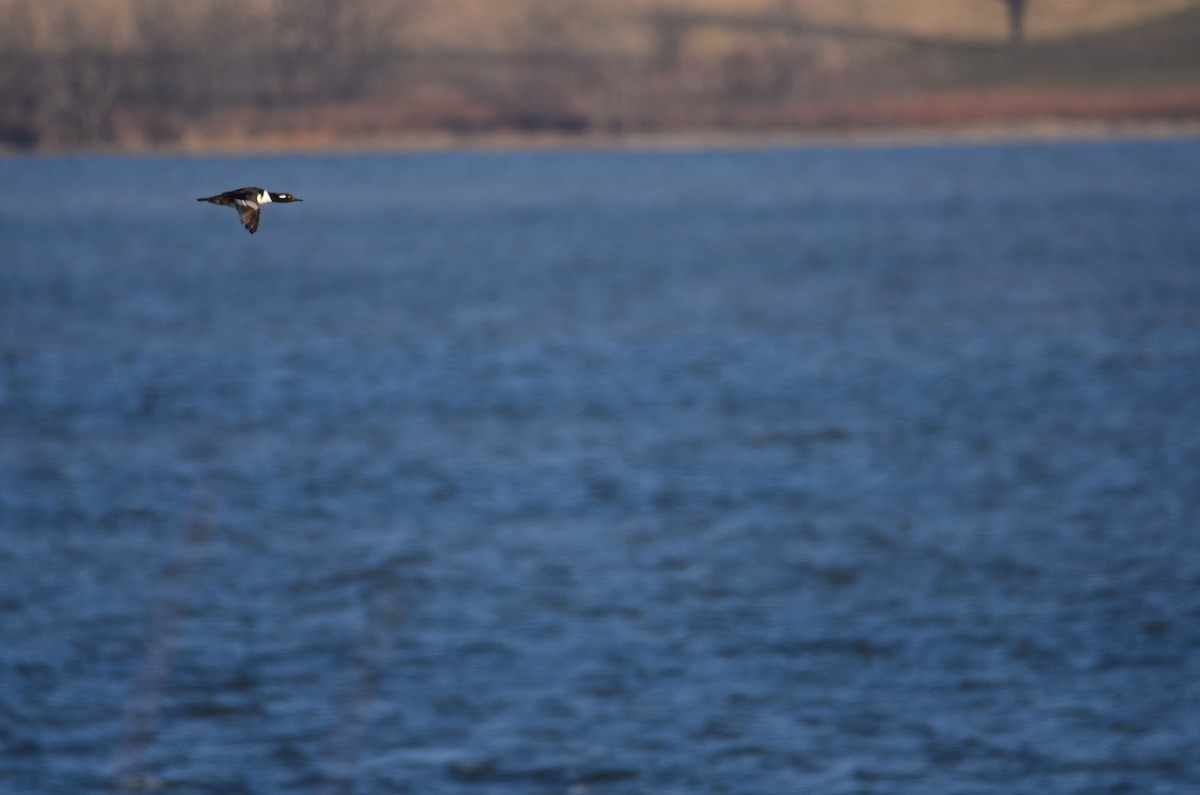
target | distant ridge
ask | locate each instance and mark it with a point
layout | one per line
(260, 75)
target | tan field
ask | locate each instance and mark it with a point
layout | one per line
(492, 24)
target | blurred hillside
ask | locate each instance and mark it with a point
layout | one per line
(244, 73)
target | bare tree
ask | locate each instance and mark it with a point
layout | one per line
(86, 85)
(21, 77)
(550, 76)
(161, 37)
(329, 49)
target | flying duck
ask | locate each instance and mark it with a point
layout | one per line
(247, 201)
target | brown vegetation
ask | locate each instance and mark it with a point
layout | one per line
(238, 73)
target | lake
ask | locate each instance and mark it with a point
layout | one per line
(838, 470)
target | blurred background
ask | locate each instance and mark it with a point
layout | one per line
(647, 398)
(313, 73)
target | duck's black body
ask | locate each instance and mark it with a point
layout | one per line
(247, 201)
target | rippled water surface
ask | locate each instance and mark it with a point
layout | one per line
(824, 471)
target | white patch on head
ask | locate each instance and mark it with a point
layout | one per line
(264, 197)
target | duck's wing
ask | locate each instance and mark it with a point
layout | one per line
(248, 213)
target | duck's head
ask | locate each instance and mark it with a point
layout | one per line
(284, 197)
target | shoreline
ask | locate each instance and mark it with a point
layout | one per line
(1032, 131)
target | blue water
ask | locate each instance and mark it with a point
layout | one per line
(825, 471)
